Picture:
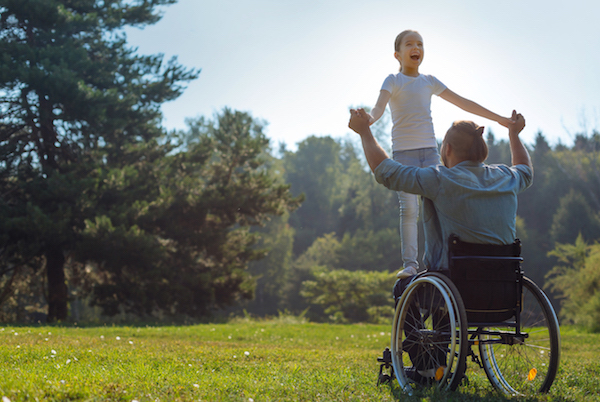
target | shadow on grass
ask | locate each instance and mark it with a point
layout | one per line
(467, 393)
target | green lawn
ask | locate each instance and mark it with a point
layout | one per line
(243, 361)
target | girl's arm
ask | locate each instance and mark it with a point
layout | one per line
(377, 111)
(473, 107)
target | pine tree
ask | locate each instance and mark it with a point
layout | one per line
(73, 98)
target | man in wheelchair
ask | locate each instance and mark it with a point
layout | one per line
(463, 197)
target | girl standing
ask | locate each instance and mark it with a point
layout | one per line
(413, 140)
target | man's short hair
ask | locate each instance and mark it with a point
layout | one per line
(466, 139)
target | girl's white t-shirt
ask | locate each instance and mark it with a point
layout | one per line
(410, 104)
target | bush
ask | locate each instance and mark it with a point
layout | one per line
(351, 296)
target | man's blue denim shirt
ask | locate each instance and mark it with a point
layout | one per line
(475, 201)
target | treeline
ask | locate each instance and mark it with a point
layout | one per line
(99, 206)
(335, 257)
(103, 213)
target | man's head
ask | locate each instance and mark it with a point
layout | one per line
(464, 142)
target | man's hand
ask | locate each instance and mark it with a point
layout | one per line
(359, 121)
(519, 153)
(517, 123)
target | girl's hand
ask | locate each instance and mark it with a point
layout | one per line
(371, 119)
(506, 122)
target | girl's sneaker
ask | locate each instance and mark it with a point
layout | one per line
(406, 272)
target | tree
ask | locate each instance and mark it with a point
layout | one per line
(314, 170)
(538, 203)
(73, 98)
(365, 204)
(577, 282)
(537, 206)
(581, 165)
(172, 234)
(341, 193)
(498, 151)
(574, 217)
(90, 180)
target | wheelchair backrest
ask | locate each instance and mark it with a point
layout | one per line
(488, 278)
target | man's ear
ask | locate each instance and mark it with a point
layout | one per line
(445, 153)
(446, 148)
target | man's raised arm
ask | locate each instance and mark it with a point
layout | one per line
(518, 152)
(359, 122)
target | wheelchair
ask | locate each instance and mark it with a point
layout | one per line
(482, 308)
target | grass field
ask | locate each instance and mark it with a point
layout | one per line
(242, 361)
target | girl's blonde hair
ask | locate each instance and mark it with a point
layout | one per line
(466, 138)
(401, 36)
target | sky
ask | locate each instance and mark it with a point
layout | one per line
(300, 65)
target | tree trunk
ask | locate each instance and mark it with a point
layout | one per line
(57, 287)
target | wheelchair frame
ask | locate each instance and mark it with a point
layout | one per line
(432, 335)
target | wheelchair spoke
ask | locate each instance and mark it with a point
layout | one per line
(428, 341)
(529, 366)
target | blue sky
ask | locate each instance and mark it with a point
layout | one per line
(300, 65)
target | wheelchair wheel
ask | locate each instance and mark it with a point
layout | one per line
(429, 335)
(525, 365)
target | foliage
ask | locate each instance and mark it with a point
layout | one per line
(574, 216)
(99, 203)
(577, 280)
(271, 272)
(340, 194)
(362, 231)
(352, 296)
(73, 99)
(498, 151)
(361, 260)
(370, 250)
(314, 170)
(174, 236)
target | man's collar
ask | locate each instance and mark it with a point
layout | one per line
(469, 163)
